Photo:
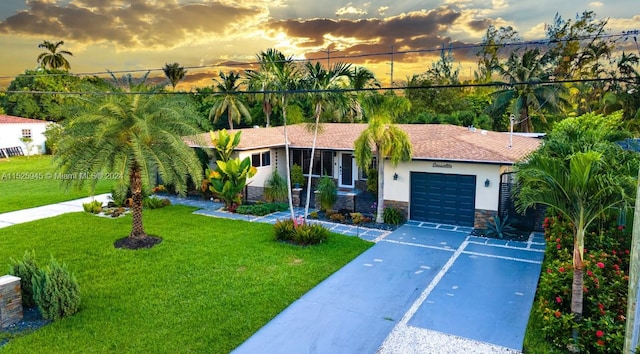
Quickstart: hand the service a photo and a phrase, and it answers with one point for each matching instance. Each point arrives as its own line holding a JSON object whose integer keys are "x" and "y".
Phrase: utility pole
{"x": 391, "y": 66}
{"x": 329, "y": 51}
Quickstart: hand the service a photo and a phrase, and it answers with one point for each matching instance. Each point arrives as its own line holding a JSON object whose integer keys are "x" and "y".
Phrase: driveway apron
{"x": 424, "y": 288}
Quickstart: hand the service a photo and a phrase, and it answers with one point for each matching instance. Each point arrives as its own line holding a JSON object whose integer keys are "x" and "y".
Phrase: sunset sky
{"x": 145, "y": 34}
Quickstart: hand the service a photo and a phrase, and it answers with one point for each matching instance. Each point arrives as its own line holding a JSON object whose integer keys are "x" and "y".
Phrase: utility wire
{"x": 623, "y": 34}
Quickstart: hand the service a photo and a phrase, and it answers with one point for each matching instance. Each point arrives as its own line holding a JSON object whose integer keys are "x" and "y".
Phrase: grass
{"x": 534, "y": 341}
{"x": 27, "y": 182}
{"x": 207, "y": 287}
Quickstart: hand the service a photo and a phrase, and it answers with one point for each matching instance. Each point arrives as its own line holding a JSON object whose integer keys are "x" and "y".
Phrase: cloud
{"x": 350, "y": 10}
{"x": 131, "y": 24}
{"x": 383, "y": 10}
{"x": 596, "y": 4}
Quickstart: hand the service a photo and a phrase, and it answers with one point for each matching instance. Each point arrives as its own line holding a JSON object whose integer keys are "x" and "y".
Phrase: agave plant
{"x": 501, "y": 229}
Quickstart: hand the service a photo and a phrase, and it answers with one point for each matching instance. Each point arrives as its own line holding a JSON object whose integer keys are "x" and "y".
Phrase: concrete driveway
{"x": 425, "y": 288}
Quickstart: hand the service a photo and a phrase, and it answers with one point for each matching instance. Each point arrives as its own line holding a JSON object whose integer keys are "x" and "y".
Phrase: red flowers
{"x": 589, "y": 273}
{"x": 561, "y": 269}
{"x": 621, "y": 227}
{"x": 558, "y": 299}
{"x": 600, "y": 265}
{"x": 558, "y": 246}
{"x": 558, "y": 314}
{"x": 599, "y": 333}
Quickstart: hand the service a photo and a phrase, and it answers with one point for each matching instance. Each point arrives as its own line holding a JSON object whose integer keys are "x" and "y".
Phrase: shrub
{"x": 93, "y": 207}
{"x": 500, "y": 228}
{"x": 393, "y": 216}
{"x": 56, "y": 292}
{"x": 262, "y": 209}
{"x": 297, "y": 232}
{"x": 372, "y": 180}
{"x": 275, "y": 188}
{"x": 337, "y": 217}
{"x": 297, "y": 178}
{"x": 155, "y": 202}
{"x": 26, "y": 269}
{"x": 313, "y": 214}
{"x": 328, "y": 192}
{"x": 606, "y": 261}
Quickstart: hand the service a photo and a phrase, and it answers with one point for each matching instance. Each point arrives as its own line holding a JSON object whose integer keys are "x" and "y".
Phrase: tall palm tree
{"x": 320, "y": 81}
{"x": 227, "y": 99}
{"x": 285, "y": 76}
{"x": 525, "y": 93}
{"x": 360, "y": 79}
{"x": 53, "y": 58}
{"x": 134, "y": 135}
{"x": 581, "y": 188}
{"x": 175, "y": 73}
{"x": 264, "y": 80}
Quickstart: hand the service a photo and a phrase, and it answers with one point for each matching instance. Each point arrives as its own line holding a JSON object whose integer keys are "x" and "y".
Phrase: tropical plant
{"x": 327, "y": 191}
{"x": 388, "y": 141}
{"x": 297, "y": 177}
{"x": 275, "y": 188}
{"x": 264, "y": 80}
{"x": 393, "y": 216}
{"x": 93, "y": 207}
{"x": 525, "y": 92}
{"x": 500, "y": 228}
{"x": 174, "y": 73}
{"x": 137, "y": 134}
{"x": 582, "y": 188}
{"x": 225, "y": 143}
{"x": 228, "y": 180}
{"x": 228, "y": 100}
{"x": 52, "y": 58}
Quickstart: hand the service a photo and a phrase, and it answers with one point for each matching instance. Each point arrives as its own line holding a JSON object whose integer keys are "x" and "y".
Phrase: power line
{"x": 623, "y": 34}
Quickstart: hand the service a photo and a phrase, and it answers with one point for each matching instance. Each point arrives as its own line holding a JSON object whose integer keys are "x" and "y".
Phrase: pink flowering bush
{"x": 606, "y": 263}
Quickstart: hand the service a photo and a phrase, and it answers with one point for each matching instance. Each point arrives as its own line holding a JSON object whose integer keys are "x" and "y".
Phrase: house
{"x": 453, "y": 177}
{"x": 19, "y": 134}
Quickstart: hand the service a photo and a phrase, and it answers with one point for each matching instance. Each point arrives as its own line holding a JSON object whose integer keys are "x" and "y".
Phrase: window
{"x": 261, "y": 159}
{"x": 26, "y": 133}
{"x": 363, "y": 171}
{"x": 322, "y": 161}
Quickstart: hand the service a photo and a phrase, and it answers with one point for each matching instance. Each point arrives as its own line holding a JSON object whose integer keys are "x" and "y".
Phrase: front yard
{"x": 207, "y": 287}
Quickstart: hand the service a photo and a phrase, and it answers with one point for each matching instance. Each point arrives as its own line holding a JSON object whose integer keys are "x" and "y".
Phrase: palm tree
{"x": 581, "y": 188}
{"x": 175, "y": 73}
{"x": 135, "y": 135}
{"x": 227, "y": 99}
{"x": 263, "y": 80}
{"x": 387, "y": 141}
{"x": 284, "y": 75}
{"x": 53, "y": 58}
{"x": 320, "y": 82}
{"x": 360, "y": 79}
{"x": 525, "y": 93}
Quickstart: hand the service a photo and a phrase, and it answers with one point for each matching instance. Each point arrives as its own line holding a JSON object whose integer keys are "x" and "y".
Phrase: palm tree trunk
{"x": 286, "y": 155}
{"x": 380, "y": 209}
{"x": 577, "y": 284}
{"x": 135, "y": 179}
{"x": 313, "y": 151}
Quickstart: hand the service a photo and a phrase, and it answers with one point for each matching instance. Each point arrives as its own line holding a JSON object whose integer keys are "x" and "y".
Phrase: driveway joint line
{"x": 502, "y": 257}
{"x": 421, "y": 245}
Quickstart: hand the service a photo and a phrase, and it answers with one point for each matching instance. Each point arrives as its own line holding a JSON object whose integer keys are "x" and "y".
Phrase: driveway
{"x": 424, "y": 288}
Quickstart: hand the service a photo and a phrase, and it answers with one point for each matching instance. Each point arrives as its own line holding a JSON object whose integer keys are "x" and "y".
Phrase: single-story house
{"x": 15, "y": 133}
{"x": 453, "y": 177}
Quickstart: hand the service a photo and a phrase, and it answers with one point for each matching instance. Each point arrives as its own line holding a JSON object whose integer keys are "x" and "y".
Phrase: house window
{"x": 261, "y": 159}
{"x": 26, "y": 133}
{"x": 363, "y": 171}
{"x": 322, "y": 161}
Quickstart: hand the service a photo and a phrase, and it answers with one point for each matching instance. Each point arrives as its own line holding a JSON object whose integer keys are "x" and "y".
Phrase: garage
{"x": 443, "y": 198}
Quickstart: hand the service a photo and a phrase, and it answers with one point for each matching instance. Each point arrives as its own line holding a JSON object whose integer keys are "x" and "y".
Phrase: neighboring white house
{"x": 17, "y": 132}
{"x": 453, "y": 178}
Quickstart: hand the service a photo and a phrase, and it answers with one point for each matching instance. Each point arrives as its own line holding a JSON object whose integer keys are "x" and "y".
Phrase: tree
{"x": 285, "y": 76}
{"x": 175, "y": 73}
{"x": 52, "y": 58}
{"x": 525, "y": 93}
{"x": 320, "y": 82}
{"x": 135, "y": 134}
{"x": 489, "y": 51}
{"x": 227, "y": 99}
{"x": 384, "y": 139}
{"x": 264, "y": 80}
{"x": 581, "y": 173}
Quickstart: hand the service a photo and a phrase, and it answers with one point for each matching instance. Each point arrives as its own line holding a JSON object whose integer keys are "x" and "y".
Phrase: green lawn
{"x": 206, "y": 288}
{"x": 27, "y": 182}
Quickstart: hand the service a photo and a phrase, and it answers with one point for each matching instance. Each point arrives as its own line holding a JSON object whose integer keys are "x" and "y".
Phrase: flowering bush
{"x": 606, "y": 262}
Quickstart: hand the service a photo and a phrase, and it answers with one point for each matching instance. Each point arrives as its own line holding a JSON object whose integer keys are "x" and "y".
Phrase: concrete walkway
{"x": 47, "y": 211}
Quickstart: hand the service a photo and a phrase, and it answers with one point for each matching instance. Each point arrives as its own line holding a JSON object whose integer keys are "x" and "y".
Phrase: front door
{"x": 346, "y": 170}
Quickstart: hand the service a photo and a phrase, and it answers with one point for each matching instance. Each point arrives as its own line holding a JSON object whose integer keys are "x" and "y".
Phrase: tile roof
{"x": 429, "y": 141}
{"x": 5, "y": 119}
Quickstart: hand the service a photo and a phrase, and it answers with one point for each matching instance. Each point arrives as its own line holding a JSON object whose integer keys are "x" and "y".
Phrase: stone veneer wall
{"x": 482, "y": 217}
{"x": 10, "y": 300}
{"x": 404, "y": 206}
{"x": 255, "y": 194}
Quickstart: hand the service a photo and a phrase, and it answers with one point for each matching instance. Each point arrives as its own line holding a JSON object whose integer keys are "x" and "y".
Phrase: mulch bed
{"x": 137, "y": 243}
{"x": 31, "y": 321}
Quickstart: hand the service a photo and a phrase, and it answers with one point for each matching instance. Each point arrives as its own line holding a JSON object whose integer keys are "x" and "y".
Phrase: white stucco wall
{"x": 10, "y": 134}
{"x": 263, "y": 172}
{"x": 487, "y": 198}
